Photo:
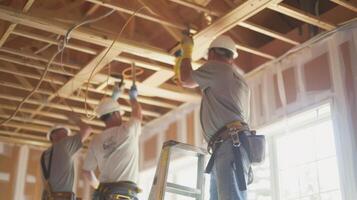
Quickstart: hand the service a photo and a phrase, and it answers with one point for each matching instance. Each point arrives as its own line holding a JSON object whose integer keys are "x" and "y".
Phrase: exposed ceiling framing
{"x": 31, "y": 30}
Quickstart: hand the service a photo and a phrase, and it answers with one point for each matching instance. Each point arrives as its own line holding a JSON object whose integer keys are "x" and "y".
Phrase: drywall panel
{"x": 290, "y": 84}
{"x": 317, "y": 74}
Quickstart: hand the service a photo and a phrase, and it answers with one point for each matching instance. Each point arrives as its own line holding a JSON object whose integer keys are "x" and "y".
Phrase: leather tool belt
{"x": 123, "y": 190}
{"x": 61, "y": 196}
{"x": 241, "y": 136}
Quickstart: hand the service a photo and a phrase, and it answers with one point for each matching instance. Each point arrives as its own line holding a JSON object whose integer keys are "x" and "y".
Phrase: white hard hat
{"x": 225, "y": 42}
{"x": 107, "y": 105}
{"x": 55, "y": 127}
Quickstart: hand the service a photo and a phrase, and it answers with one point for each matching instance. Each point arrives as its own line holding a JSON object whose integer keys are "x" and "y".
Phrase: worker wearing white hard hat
{"x": 115, "y": 151}
{"x": 225, "y": 103}
{"x": 57, "y": 162}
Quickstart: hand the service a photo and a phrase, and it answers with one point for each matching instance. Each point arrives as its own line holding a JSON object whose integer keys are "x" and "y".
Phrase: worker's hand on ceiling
{"x": 187, "y": 46}
{"x": 133, "y": 93}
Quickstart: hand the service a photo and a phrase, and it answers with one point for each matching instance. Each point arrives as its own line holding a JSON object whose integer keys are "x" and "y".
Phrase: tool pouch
{"x": 255, "y": 145}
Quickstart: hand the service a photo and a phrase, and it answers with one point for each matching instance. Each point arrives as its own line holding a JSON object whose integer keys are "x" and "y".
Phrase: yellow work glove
{"x": 187, "y": 46}
{"x": 177, "y": 69}
{"x": 177, "y": 66}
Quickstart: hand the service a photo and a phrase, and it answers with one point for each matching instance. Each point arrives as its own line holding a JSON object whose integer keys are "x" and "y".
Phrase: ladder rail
{"x": 161, "y": 186}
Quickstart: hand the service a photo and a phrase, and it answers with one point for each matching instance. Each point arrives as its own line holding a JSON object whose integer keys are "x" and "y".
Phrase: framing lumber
{"x": 16, "y": 140}
{"x": 196, "y": 7}
{"x": 226, "y": 22}
{"x": 160, "y": 10}
{"x": 352, "y": 5}
{"x": 75, "y": 98}
{"x": 30, "y": 56}
{"x": 301, "y": 15}
{"x": 50, "y": 105}
{"x": 268, "y": 32}
{"x": 144, "y": 16}
{"x": 87, "y": 35}
{"x": 254, "y": 51}
{"x": 245, "y": 24}
{"x": 52, "y": 115}
{"x": 26, "y": 122}
{"x": 13, "y": 26}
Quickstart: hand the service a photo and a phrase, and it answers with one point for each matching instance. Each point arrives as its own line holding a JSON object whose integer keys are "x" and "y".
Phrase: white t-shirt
{"x": 116, "y": 153}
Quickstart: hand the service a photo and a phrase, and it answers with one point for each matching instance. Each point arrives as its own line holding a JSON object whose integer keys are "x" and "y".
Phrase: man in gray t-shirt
{"x": 225, "y": 100}
{"x": 60, "y": 165}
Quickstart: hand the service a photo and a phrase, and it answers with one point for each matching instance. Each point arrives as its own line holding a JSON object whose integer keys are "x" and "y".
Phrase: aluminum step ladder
{"x": 160, "y": 185}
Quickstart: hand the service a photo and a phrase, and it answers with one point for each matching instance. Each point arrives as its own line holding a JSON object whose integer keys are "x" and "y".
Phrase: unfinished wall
{"x": 321, "y": 71}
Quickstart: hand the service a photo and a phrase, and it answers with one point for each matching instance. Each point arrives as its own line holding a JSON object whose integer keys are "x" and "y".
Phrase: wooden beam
{"x": 254, "y": 51}
{"x": 92, "y": 68}
{"x": 87, "y": 35}
{"x": 196, "y": 7}
{"x": 13, "y": 26}
{"x": 27, "y": 122}
{"x": 144, "y": 16}
{"x": 75, "y": 98}
{"x": 52, "y": 115}
{"x": 226, "y": 22}
{"x": 32, "y": 76}
{"x": 160, "y": 9}
{"x": 22, "y": 140}
{"x": 352, "y": 5}
{"x": 50, "y": 105}
{"x": 268, "y": 32}
{"x": 301, "y": 15}
{"x": 245, "y": 24}
{"x": 144, "y": 100}
{"x": 34, "y": 66}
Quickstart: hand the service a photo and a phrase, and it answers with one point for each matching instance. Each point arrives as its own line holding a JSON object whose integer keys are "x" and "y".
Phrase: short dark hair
{"x": 225, "y": 53}
{"x": 105, "y": 117}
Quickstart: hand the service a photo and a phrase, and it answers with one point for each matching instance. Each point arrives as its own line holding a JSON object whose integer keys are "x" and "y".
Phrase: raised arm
{"x": 135, "y": 106}
{"x": 185, "y": 65}
{"x": 84, "y": 129}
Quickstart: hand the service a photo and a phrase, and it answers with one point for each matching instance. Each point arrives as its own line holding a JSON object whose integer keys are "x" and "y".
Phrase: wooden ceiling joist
{"x": 23, "y": 140}
{"x": 301, "y": 15}
{"x": 268, "y": 32}
{"x": 245, "y": 24}
{"x": 8, "y": 31}
{"x": 144, "y": 16}
{"x": 75, "y": 98}
{"x": 254, "y": 51}
{"x": 35, "y": 57}
{"x": 52, "y": 115}
{"x": 352, "y": 5}
{"x": 225, "y": 23}
{"x": 26, "y": 122}
{"x": 50, "y": 105}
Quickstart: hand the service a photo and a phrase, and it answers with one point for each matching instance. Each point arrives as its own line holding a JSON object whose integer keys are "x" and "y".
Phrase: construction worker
{"x": 224, "y": 113}
{"x": 115, "y": 151}
{"x": 57, "y": 161}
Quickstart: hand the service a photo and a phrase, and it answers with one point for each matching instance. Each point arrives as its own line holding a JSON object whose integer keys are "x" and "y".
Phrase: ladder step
{"x": 182, "y": 190}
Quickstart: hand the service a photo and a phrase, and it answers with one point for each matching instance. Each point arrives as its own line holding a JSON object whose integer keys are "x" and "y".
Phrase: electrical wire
{"x": 61, "y": 47}
{"x": 105, "y": 54}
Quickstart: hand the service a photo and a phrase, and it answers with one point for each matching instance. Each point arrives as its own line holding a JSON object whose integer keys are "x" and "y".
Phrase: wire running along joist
{"x": 61, "y": 46}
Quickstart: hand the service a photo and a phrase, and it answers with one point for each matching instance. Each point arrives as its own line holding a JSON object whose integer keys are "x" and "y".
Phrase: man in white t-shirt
{"x": 115, "y": 151}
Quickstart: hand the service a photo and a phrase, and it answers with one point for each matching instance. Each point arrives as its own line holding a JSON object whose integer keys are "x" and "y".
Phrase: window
{"x": 302, "y": 160}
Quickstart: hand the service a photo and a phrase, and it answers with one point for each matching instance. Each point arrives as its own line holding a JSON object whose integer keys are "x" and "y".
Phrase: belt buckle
{"x": 234, "y": 133}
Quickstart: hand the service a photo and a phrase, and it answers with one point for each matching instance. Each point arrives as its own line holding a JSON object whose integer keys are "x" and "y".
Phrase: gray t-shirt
{"x": 62, "y": 170}
{"x": 225, "y": 96}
